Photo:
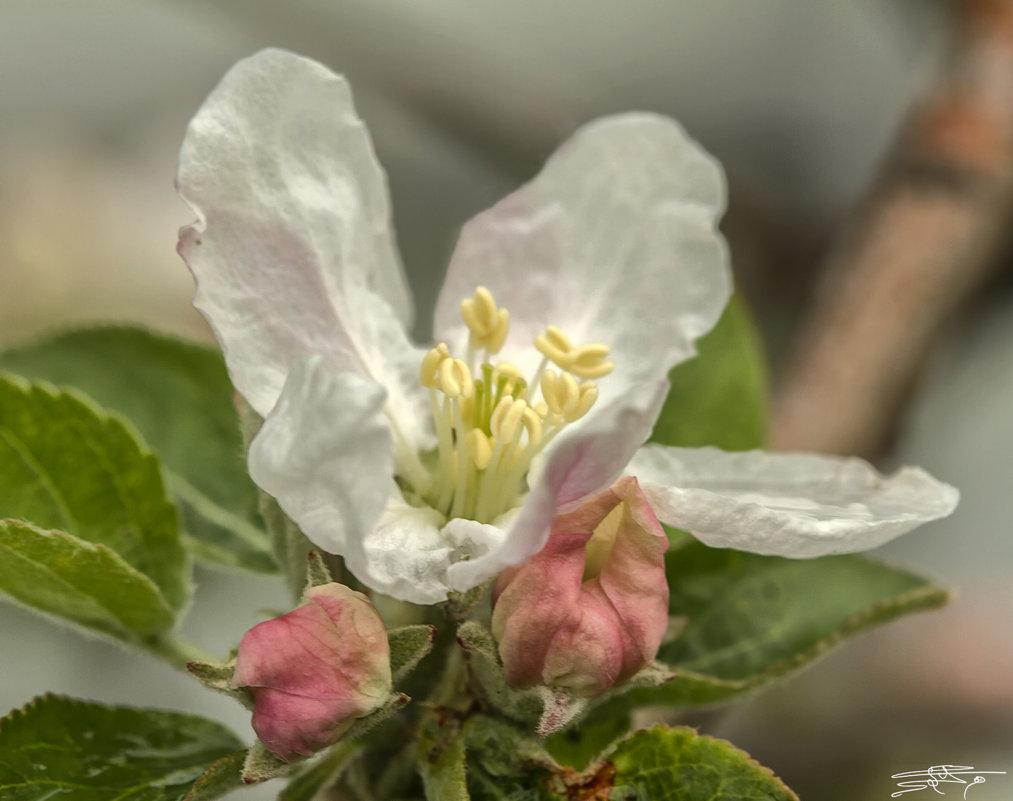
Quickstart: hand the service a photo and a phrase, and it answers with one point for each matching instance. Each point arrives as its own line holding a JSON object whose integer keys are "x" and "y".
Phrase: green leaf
{"x": 395, "y": 703}
{"x": 218, "y": 677}
{"x": 526, "y": 706}
{"x": 322, "y": 773}
{"x": 658, "y": 764}
{"x": 752, "y": 619}
{"x": 222, "y": 777}
{"x": 67, "y": 465}
{"x": 178, "y": 395}
{"x": 506, "y": 763}
{"x": 408, "y": 646}
{"x": 665, "y": 764}
{"x": 719, "y": 397}
{"x": 260, "y": 765}
{"x": 317, "y": 572}
{"x": 59, "y": 747}
{"x": 503, "y": 749}
{"x": 86, "y": 583}
{"x": 577, "y": 746}
{"x": 484, "y": 787}
{"x": 441, "y": 758}
{"x": 289, "y": 545}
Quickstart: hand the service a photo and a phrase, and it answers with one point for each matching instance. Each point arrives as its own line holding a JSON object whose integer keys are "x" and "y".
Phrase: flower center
{"x": 491, "y": 421}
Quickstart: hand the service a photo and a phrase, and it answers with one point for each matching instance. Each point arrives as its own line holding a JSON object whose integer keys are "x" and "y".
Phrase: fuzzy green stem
{"x": 176, "y": 651}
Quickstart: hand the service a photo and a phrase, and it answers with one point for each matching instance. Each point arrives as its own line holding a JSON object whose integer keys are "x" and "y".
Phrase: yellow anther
{"x": 429, "y": 371}
{"x": 491, "y": 425}
{"x": 480, "y": 325}
{"x": 494, "y": 342}
{"x": 507, "y": 368}
{"x": 455, "y": 378}
{"x": 550, "y": 390}
{"x": 533, "y": 426}
{"x": 590, "y": 352}
{"x": 561, "y": 392}
{"x": 533, "y": 423}
{"x": 588, "y": 395}
{"x": 571, "y": 393}
{"x": 589, "y": 361}
{"x": 485, "y": 303}
{"x": 565, "y": 397}
{"x": 479, "y": 447}
{"x": 548, "y": 384}
{"x": 548, "y": 346}
{"x": 506, "y": 418}
{"x": 557, "y": 338}
{"x": 584, "y": 361}
{"x": 487, "y": 323}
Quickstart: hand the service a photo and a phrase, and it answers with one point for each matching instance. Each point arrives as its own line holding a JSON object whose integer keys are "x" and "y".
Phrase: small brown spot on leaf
{"x": 592, "y": 785}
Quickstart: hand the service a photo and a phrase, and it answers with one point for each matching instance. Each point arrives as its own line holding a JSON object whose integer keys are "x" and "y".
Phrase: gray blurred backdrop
{"x": 799, "y": 99}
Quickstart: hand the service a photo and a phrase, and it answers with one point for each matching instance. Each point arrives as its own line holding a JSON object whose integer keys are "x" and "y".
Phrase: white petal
{"x": 591, "y": 458}
{"x": 408, "y": 554}
{"x": 614, "y": 242}
{"x": 581, "y": 464}
{"x": 404, "y": 555}
{"x": 325, "y": 454}
{"x": 293, "y": 252}
{"x": 797, "y": 505}
{"x": 526, "y": 530}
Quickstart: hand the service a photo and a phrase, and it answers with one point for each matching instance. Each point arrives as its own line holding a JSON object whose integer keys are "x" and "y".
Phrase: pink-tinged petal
{"x": 779, "y": 504}
{"x": 633, "y": 581}
{"x": 315, "y": 670}
{"x": 566, "y": 619}
{"x": 291, "y": 726}
{"x": 595, "y": 454}
{"x": 365, "y": 653}
{"x": 293, "y": 252}
{"x": 615, "y": 241}
{"x": 578, "y": 465}
{"x": 325, "y": 454}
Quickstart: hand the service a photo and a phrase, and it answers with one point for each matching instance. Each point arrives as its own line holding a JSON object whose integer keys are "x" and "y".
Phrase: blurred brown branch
{"x": 924, "y": 241}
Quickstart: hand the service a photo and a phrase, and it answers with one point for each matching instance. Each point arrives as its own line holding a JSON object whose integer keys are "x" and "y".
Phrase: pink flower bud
{"x": 591, "y": 607}
{"x": 315, "y": 670}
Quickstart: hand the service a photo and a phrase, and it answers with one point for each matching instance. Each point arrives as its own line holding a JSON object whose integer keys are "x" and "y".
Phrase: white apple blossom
{"x": 427, "y": 471}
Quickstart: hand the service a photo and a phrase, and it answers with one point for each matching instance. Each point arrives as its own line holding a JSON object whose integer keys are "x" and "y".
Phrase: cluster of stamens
{"x": 490, "y": 421}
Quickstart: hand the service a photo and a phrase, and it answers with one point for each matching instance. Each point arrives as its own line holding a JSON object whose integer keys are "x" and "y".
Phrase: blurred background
{"x": 867, "y": 146}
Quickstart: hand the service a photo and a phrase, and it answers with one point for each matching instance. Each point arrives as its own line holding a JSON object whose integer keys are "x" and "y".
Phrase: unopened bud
{"x": 590, "y": 608}
{"x": 315, "y": 670}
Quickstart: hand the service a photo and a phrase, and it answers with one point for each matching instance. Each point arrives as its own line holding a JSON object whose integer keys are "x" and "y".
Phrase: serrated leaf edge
{"x": 662, "y": 728}
{"x": 150, "y": 459}
{"x": 922, "y": 598}
{"x": 127, "y": 635}
{"x": 47, "y": 697}
{"x": 915, "y": 600}
{"x": 174, "y": 482}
